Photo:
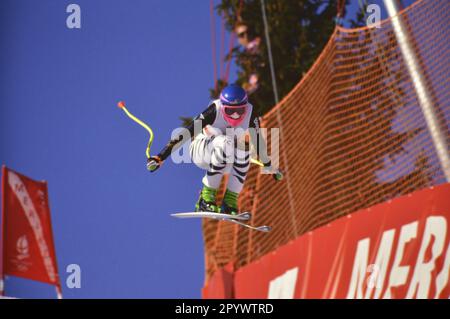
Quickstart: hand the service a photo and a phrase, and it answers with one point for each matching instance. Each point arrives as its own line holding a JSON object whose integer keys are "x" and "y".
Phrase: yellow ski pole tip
{"x": 121, "y": 104}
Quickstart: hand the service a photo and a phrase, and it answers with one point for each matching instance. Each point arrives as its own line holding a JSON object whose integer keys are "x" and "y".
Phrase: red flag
{"x": 28, "y": 248}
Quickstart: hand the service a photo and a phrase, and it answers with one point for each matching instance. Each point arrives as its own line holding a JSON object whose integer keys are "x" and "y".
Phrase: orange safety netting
{"x": 352, "y": 134}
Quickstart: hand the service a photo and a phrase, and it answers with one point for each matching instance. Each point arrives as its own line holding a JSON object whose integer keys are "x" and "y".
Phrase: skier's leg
{"x": 236, "y": 180}
{"x": 221, "y": 160}
{"x": 215, "y": 154}
{"x": 200, "y": 155}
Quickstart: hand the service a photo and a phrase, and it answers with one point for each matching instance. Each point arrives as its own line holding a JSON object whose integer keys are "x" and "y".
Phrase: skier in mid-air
{"x": 218, "y": 148}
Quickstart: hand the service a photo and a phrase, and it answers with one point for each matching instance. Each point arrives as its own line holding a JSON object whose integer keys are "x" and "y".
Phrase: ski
{"x": 242, "y": 216}
{"x": 237, "y": 219}
{"x": 264, "y": 228}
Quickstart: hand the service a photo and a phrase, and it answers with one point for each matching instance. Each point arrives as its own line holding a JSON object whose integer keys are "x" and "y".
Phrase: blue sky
{"x": 59, "y": 122}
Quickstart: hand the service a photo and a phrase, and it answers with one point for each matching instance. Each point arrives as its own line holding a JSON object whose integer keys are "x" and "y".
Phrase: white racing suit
{"x": 221, "y": 149}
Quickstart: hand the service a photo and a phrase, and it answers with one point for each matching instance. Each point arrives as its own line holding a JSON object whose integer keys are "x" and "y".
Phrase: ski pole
{"x": 255, "y": 161}
{"x": 121, "y": 105}
{"x": 278, "y": 175}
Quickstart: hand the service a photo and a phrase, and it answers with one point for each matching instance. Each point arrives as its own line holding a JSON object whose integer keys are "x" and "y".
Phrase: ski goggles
{"x": 230, "y": 110}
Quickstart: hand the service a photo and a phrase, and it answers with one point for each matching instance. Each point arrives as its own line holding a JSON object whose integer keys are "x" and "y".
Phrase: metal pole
{"x": 426, "y": 104}
{"x": 269, "y": 51}
{"x": 279, "y": 119}
{"x": 59, "y": 294}
{"x": 2, "y": 229}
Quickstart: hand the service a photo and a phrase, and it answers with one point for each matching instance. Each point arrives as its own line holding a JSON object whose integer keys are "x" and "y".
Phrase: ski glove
{"x": 153, "y": 163}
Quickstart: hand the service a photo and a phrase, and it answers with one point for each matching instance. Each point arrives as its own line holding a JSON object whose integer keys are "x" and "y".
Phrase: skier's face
{"x": 234, "y": 114}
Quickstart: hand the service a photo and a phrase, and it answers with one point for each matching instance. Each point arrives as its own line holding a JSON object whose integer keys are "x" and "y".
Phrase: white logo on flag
{"x": 22, "y": 247}
{"x": 22, "y": 261}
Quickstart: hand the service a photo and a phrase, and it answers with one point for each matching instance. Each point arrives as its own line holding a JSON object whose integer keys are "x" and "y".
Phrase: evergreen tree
{"x": 298, "y": 32}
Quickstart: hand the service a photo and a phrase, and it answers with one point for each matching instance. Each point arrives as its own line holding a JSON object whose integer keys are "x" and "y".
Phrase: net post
{"x": 279, "y": 119}
{"x": 420, "y": 86}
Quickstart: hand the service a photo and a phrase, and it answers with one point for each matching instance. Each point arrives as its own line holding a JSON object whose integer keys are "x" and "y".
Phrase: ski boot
{"x": 207, "y": 201}
{"x": 229, "y": 204}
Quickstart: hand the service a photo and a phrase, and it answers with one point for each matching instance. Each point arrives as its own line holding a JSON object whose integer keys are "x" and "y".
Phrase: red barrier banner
{"x": 398, "y": 249}
{"x": 28, "y": 248}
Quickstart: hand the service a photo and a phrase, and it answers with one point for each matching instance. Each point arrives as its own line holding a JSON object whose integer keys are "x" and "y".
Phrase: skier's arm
{"x": 258, "y": 141}
{"x": 206, "y": 117}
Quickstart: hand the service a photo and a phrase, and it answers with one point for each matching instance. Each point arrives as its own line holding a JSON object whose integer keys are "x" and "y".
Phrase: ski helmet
{"x": 234, "y": 104}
